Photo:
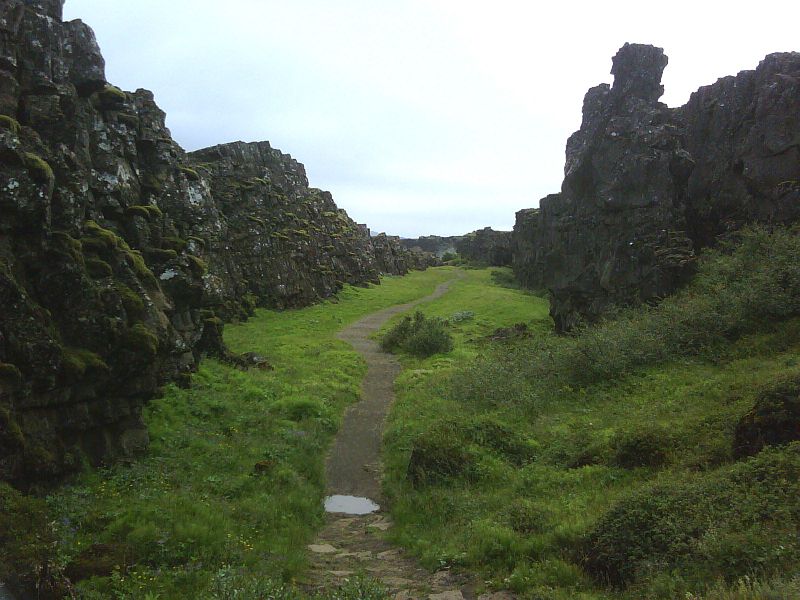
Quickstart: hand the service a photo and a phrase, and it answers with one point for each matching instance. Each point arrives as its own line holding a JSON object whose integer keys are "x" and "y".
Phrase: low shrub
{"x": 642, "y": 446}
{"x": 453, "y": 448}
{"x": 28, "y": 558}
{"x": 461, "y": 316}
{"x": 440, "y": 454}
{"x": 748, "y": 588}
{"x": 773, "y": 420}
{"x": 418, "y": 335}
{"x": 740, "y": 519}
{"x": 742, "y": 287}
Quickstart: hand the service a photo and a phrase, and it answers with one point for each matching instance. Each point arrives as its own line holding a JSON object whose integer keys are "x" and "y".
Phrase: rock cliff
{"x": 432, "y": 243}
{"x": 645, "y": 186}
{"x": 120, "y": 253}
{"x": 486, "y": 246}
{"x": 394, "y": 258}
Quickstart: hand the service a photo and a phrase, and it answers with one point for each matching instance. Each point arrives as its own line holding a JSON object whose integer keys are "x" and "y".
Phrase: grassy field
{"x": 604, "y": 464}
{"x": 601, "y": 465}
{"x": 231, "y": 490}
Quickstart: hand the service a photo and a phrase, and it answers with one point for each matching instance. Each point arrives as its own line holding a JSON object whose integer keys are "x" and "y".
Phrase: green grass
{"x": 593, "y": 466}
{"x": 601, "y": 465}
{"x": 233, "y": 481}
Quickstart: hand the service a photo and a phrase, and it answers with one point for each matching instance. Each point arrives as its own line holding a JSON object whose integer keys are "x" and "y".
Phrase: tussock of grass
{"x": 419, "y": 336}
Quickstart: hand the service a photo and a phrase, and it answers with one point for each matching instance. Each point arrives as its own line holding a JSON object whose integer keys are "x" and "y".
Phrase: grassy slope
{"x": 520, "y": 516}
{"x": 234, "y": 473}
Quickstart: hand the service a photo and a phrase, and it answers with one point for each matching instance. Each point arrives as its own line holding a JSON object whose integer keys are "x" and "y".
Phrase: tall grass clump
{"x": 746, "y": 285}
{"x": 419, "y": 336}
{"x": 741, "y": 519}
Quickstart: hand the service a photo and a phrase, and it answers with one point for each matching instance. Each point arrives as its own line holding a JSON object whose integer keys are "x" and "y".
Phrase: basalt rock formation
{"x": 486, "y": 247}
{"x": 646, "y": 186}
{"x": 394, "y": 258}
{"x": 120, "y": 254}
{"x": 280, "y": 243}
{"x": 434, "y": 244}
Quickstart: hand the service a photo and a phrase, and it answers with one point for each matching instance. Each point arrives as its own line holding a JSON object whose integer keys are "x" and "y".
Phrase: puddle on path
{"x": 350, "y": 505}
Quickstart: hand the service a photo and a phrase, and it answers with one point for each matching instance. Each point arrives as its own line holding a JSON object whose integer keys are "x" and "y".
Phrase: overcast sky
{"x": 420, "y": 116}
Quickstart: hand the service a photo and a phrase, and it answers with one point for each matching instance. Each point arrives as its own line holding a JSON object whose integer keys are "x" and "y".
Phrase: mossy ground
{"x": 231, "y": 490}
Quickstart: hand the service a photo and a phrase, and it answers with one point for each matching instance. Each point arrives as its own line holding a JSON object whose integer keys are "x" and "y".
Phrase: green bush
{"x": 418, "y": 335}
{"x": 740, "y": 519}
{"x": 642, "y": 446}
{"x": 773, "y": 420}
{"x": 440, "y": 454}
{"x": 740, "y": 288}
{"x": 453, "y": 448}
{"x": 746, "y": 288}
{"x": 26, "y": 537}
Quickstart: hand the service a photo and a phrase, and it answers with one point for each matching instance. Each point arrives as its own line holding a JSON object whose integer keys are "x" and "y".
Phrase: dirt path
{"x": 349, "y": 545}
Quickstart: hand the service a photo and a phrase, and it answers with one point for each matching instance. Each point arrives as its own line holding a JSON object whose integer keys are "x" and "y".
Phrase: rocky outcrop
{"x": 120, "y": 253}
{"x": 280, "y": 243}
{"x": 434, "y": 244}
{"x": 743, "y": 134}
{"x": 486, "y": 247}
{"x": 393, "y": 257}
{"x": 646, "y": 186}
{"x": 525, "y": 250}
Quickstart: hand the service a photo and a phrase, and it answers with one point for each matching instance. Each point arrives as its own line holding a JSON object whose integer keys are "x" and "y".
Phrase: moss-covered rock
{"x": 198, "y": 266}
{"x": 159, "y": 255}
{"x": 98, "y": 269}
{"x": 146, "y": 211}
{"x": 77, "y": 362}
{"x": 190, "y": 173}
{"x": 112, "y": 97}
{"x": 140, "y": 341}
{"x": 98, "y": 239}
{"x": 9, "y": 374}
{"x": 773, "y": 420}
{"x": 132, "y": 303}
{"x": 38, "y": 168}
{"x": 9, "y": 124}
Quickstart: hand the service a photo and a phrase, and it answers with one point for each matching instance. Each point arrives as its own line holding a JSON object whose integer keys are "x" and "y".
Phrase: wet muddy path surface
{"x": 350, "y": 544}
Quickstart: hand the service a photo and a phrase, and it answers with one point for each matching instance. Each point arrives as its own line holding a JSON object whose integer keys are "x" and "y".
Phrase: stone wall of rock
{"x": 525, "y": 250}
{"x": 432, "y": 243}
{"x": 646, "y": 186}
{"x": 282, "y": 244}
{"x": 119, "y": 252}
{"x": 486, "y": 247}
